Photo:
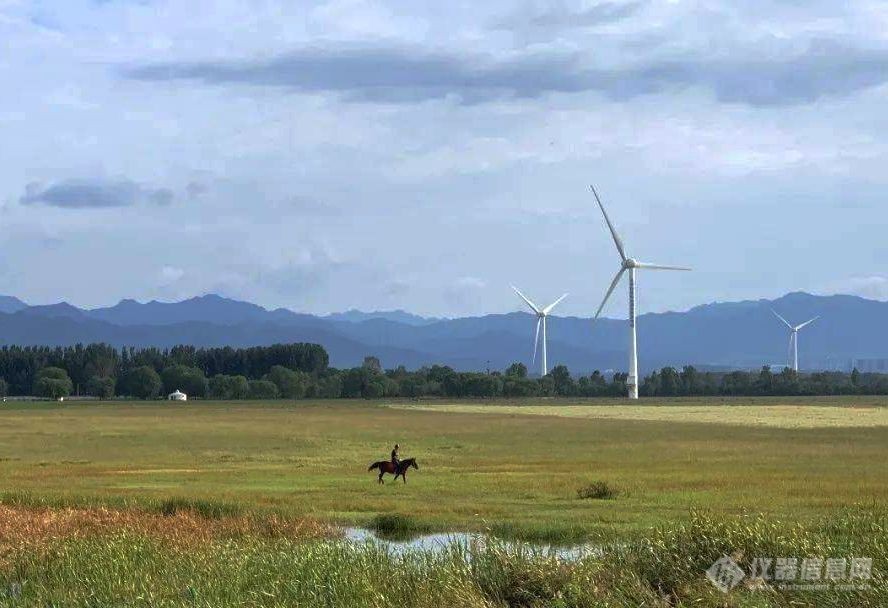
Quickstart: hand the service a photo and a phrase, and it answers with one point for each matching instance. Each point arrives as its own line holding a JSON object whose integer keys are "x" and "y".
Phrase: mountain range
{"x": 726, "y": 335}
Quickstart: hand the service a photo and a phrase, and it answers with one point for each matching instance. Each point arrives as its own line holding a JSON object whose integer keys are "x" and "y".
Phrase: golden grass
{"x": 774, "y": 416}
{"x": 31, "y": 528}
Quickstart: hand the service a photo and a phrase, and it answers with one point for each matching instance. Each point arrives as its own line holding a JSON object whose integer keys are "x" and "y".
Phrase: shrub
{"x": 395, "y": 526}
{"x": 597, "y": 489}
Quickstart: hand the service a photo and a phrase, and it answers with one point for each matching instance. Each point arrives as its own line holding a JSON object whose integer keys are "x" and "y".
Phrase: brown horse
{"x": 386, "y": 466}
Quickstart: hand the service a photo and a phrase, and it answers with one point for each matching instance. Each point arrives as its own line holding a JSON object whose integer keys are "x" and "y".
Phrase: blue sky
{"x": 424, "y": 155}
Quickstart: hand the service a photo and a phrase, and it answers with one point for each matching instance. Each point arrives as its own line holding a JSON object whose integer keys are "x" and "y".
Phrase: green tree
{"x": 330, "y": 387}
{"x": 564, "y": 384}
{"x": 263, "y": 389}
{"x": 618, "y": 386}
{"x": 189, "y": 380}
{"x": 101, "y": 387}
{"x": 375, "y": 389}
{"x": 222, "y": 386}
{"x": 764, "y": 385}
{"x": 520, "y": 387}
{"x": 52, "y": 383}
{"x": 592, "y": 386}
{"x": 141, "y": 382}
{"x": 669, "y": 382}
{"x": 516, "y": 370}
{"x": 691, "y": 384}
{"x": 372, "y": 363}
{"x": 290, "y": 383}
{"x": 736, "y": 383}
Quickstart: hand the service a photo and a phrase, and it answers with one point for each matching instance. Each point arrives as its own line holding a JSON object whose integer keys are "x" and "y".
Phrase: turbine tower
{"x": 630, "y": 265}
{"x": 541, "y": 314}
{"x": 794, "y": 338}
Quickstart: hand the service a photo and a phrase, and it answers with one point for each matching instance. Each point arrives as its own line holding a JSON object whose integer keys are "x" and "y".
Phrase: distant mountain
{"x": 209, "y": 309}
{"x": 60, "y": 310}
{"x": 396, "y": 316}
{"x": 718, "y": 335}
{"x": 11, "y": 304}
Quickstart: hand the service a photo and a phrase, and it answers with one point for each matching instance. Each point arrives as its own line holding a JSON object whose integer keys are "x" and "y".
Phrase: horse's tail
{"x": 375, "y": 465}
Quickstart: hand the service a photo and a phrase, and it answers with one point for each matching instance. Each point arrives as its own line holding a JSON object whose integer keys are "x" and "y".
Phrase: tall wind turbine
{"x": 630, "y": 265}
{"x": 794, "y": 338}
{"x": 541, "y": 314}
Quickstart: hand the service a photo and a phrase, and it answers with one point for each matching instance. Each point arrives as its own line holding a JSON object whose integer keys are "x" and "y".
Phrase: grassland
{"x": 514, "y": 469}
{"x": 230, "y": 504}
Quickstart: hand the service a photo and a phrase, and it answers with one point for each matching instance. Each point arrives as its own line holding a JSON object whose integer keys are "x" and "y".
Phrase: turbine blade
{"x": 549, "y": 308}
{"x": 536, "y": 341}
{"x": 617, "y": 241}
{"x": 610, "y": 290}
{"x": 533, "y": 306}
{"x": 798, "y": 327}
{"x": 785, "y": 322}
{"x": 659, "y": 266}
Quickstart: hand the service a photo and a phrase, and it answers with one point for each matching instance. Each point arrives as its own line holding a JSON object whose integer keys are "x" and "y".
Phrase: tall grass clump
{"x": 396, "y": 526}
{"x": 600, "y": 490}
{"x": 210, "y": 509}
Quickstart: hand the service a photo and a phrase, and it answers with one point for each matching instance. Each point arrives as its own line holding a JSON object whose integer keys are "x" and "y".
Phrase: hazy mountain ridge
{"x": 721, "y": 334}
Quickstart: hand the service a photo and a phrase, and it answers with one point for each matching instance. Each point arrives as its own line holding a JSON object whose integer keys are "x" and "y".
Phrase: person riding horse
{"x": 395, "y": 465}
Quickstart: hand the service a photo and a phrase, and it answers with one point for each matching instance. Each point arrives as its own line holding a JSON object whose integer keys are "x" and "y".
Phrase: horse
{"x": 386, "y": 466}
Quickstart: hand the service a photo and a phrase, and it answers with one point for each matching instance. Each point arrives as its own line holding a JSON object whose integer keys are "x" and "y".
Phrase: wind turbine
{"x": 541, "y": 314}
{"x": 794, "y": 338}
{"x": 630, "y": 265}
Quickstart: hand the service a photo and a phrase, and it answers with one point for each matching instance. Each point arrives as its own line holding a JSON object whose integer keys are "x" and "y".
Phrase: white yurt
{"x": 177, "y": 396}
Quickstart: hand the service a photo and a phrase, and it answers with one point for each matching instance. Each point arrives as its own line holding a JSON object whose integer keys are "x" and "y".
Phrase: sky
{"x": 322, "y": 156}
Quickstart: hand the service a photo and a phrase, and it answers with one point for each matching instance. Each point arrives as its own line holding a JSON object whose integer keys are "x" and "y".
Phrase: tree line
{"x": 296, "y": 371}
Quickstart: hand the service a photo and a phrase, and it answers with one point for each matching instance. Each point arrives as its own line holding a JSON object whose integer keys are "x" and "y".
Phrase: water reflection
{"x": 441, "y": 541}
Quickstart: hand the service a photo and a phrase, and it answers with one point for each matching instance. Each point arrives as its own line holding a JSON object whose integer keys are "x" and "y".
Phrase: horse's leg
{"x": 379, "y": 480}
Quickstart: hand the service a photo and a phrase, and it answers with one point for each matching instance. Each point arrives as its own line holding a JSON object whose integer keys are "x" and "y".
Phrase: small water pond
{"x": 440, "y": 541}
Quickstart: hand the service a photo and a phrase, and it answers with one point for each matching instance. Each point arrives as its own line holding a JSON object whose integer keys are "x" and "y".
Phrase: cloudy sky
{"x": 424, "y": 155}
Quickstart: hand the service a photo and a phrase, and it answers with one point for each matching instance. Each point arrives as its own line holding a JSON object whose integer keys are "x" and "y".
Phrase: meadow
{"x": 241, "y": 500}
{"x": 508, "y": 467}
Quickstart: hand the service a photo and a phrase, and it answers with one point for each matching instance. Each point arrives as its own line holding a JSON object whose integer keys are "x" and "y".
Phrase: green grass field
{"x": 508, "y": 467}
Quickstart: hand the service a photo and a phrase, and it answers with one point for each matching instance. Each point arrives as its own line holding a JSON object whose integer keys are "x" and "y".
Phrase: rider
{"x": 395, "y": 459}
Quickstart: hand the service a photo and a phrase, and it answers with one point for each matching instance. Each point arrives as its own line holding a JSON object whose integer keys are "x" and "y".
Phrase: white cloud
{"x": 170, "y": 274}
{"x": 873, "y": 287}
{"x": 323, "y": 200}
